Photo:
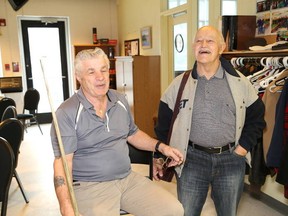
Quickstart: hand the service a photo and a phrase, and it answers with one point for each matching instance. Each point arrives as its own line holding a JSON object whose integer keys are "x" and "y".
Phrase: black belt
{"x": 212, "y": 150}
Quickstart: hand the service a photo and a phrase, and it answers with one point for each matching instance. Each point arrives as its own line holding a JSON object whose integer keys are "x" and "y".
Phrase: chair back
{"x": 12, "y": 130}
{"x": 4, "y": 103}
{"x": 6, "y": 170}
{"x": 31, "y": 100}
{"x": 138, "y": 156}
{"x": 9, "y": 112}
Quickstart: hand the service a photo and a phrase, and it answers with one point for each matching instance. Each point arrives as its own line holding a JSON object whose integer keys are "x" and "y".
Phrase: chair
{"x": 138, "y": 156}
{"x": 12, "y": 130}
{"x": 4, "y": 103}
{"x": 6, "y": 170}
{"x": 31, "y": 101}
{"x": 9, "y": 112}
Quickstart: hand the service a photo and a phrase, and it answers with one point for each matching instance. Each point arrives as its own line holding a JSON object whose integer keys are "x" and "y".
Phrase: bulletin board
{"x": 272, "y": 15}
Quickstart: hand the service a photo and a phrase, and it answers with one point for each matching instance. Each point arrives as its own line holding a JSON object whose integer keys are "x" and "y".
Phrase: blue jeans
{"x": 223, "y": 172}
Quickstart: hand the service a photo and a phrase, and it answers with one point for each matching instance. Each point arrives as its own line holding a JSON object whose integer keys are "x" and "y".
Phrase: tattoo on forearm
{"x": 59, "y": 181}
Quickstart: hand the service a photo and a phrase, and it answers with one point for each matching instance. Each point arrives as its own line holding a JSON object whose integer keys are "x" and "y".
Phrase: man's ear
{"x": 222, "y": 48}
{"x": 77, "y": 77}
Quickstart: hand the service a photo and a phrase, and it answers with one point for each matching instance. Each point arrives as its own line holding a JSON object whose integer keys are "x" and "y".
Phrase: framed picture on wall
{"x": 146, "y": 37}
{"x": 131, "y": 47}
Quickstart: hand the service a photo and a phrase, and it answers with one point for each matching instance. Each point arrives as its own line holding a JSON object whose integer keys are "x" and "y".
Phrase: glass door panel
{"x": 49, "y": 54}
{"x": 46, "y": 42}
{"x": 180, "y": 48}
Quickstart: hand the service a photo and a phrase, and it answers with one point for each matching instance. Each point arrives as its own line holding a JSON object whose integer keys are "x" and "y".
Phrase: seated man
{"x": 95, "y": 126}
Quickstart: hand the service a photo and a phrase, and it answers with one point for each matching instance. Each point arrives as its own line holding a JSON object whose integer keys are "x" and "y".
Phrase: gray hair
{"x": 89, "y": 54}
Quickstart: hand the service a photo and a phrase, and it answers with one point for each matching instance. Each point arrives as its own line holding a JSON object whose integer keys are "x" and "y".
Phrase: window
{"x": 175, "y": 3}
{"x": 180, "y": 48}
{"x": 229, "y": 7}
{"x": 203, "y": 13}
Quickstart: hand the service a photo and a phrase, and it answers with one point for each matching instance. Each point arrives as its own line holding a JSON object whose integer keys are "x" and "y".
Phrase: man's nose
{"x": 99, "y": 76}
{"x": 204, "y": 43}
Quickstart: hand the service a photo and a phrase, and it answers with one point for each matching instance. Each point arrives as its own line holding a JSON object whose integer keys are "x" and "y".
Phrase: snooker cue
{"x": 63, "y": 155}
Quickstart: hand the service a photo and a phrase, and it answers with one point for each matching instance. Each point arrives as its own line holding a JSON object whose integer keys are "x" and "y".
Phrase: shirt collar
{"x": 227, "y": 66}
{"x": 83, "y": 100}
{"x": 219, "y": 73}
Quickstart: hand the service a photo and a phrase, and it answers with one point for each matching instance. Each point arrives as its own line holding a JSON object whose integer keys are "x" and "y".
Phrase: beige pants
{"x": 135, "y": 194}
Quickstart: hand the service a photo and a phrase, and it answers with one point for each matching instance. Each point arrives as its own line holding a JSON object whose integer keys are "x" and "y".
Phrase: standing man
{"x": 95, "y": 125}
{"x": 220, "y": 120}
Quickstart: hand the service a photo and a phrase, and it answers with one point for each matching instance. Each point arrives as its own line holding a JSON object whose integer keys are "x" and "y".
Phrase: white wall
{"x": 83, "y": 15}
{"x": 135, "y": 14}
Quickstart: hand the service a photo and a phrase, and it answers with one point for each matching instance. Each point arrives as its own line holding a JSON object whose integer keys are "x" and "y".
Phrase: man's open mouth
{"x": 204, "y": 52}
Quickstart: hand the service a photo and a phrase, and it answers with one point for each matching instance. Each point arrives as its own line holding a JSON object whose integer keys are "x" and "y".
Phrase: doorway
{"x": 45, "y": 50}
{"x": 179, "y": 29}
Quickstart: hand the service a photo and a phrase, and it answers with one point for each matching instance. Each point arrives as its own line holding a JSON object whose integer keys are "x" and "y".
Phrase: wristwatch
{"x": 157, "y": 146}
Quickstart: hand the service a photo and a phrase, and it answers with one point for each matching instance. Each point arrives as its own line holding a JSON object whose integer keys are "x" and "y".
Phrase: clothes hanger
{"x": 257, "y": 77}
{"x": 274, "y": 73}
{"x": 266, "y": 62}
{"x": 281, "y": 81}
{"x": 278, "y": 83}
{"x": 233, "y": 62}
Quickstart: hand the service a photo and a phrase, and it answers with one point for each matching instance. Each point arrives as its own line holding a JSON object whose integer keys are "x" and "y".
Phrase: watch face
{"x": 179, "y": 43}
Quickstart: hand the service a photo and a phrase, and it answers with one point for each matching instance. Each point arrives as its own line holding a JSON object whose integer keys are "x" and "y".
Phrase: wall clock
{"x": 179, "y": 43}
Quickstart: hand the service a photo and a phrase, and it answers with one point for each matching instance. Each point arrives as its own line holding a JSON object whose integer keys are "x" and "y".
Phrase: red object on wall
{"x": 2, "y": 22}
{"x": 7, "y": 67}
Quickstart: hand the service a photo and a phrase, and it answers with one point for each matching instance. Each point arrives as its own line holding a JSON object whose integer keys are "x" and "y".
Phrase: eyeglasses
{"x": 165, "y": 163}
{"x": 168, "y": 172}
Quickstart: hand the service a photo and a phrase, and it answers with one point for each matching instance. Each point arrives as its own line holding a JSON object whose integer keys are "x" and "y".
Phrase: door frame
{"x": 176, "y": 19}
{"x": 167, "y": 45}
{"x": 71, "y": 81}
{"x": 70, "y": 76}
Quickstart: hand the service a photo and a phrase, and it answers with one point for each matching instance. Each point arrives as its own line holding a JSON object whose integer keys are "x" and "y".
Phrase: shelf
{"x": 249, "y": 53}
{"x": 94, "y": 45}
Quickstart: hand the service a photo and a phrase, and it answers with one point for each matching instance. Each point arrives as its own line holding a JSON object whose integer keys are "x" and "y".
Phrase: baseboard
{"x": 268, "y": 200}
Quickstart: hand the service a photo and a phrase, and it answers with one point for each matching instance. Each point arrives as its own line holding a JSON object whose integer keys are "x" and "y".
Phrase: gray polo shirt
{"x": 99, "y": 145}
{"x": 214, "y": 112}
